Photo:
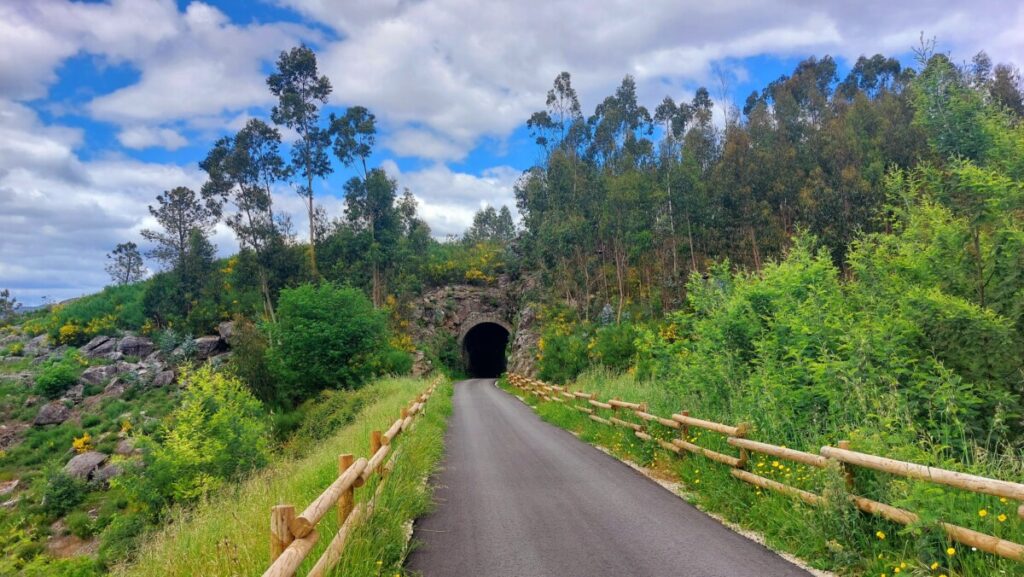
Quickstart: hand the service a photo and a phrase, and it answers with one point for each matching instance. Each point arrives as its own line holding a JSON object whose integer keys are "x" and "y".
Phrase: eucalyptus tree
{"x": 301, "y": 91}
{"x": 242, "y": 170}
{"x": 124, "y": 264}
{"x": 354, "y": 135}
{"x": 179, "y": 211}
{"x": 375, "y": 222}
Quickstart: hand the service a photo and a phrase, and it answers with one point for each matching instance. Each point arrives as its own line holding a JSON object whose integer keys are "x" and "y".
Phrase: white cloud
{"x": 448, "y": 200}
{"x": 138, "y": 137}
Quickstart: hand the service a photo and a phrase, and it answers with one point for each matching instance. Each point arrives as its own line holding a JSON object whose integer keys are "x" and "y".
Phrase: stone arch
{"x": 483, "y": 340}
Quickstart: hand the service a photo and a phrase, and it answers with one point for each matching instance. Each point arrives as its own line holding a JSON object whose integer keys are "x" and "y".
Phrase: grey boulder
{"x": 98, "y": 347}
{"x": 52, "y": 413}
{"x": 163, "y": 378}
{"x": 226, "y": 330}
{"x": 207, "y": 347}
{"x": 135, "y": 346}
{"x": 99, "y": 375}
{"x": 84, "y": 465}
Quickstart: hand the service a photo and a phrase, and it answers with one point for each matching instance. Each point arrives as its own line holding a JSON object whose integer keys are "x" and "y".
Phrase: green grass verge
{"x": 228, "y": 534}
{"x": 837, "y": 538}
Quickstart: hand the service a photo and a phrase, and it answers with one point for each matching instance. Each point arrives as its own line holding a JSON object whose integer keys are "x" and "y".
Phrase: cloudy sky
{"x": 105, "y": 104}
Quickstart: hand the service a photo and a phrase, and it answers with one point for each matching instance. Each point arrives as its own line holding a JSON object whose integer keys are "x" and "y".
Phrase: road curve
{"x": 518, "y": 497}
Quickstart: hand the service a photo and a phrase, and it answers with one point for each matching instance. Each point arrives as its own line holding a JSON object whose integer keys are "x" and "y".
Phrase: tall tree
{"x": 370, "y": 212}
{"x": 179, "y": 211}
{"x": 354, "y": 136}
{"x": 242, "y": 170}
{"x": 124, "y": 264}
{"x": 301, "y": 90}
{"x": 8, "y": 305}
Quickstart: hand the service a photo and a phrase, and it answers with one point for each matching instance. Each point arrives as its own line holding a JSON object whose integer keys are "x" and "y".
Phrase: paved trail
{"x": 521, "y": 498}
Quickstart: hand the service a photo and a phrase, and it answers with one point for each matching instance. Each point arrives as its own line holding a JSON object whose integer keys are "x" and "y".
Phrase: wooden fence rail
{"x": 292, "y": 537}
{"x": 840, "y": 457}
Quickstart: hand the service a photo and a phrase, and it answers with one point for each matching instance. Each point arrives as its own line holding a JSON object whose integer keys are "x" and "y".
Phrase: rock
{"x": 126, "y": 448}
{"x": 163, "y": 378}
{"x": 32, "y": 400}
{"x": 75, "y": 394}
{"x": 11, "y": 435}
{"x": 37, "y": 346}
{"x": 99, "y": 375}
{"x": 155, "y": 358}
{"x": 226, "y": 330}
{"x": 8, "y": 340}
{"x": 134, "y": 346}
{"x": 98, "y": 347}
{"x": 8, "y": 487}
{"x": 116, "y": 388}
{"x": 220, "y": 360}
{"x": 84, "y": 465}
{"x": 207, "y": 347}
{"x": 52, "y": 413}
{"x": 107, "y": 472}
{"x": 11, "y": 503}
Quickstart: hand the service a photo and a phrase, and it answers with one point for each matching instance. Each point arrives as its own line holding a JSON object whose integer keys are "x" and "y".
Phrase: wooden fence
{"x": 292, "y": 536}
{"x": 840, "y": 457}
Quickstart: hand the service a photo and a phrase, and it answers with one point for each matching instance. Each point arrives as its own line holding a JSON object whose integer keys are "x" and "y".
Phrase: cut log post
{"x": 349, "y": 479}
{"x": 347, "y": 499}
{"x": 599, "y": 404}
{"x": 685, "y": 419}
{"x": 847, "y": 470}
{"x": 686, "y": 427}
{"x": 281, "y": 517}
{"x": 392, "y": 432}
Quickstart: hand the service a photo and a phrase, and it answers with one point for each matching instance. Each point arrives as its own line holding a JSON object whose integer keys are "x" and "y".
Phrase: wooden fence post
{"x": 346, "y": 501}
{"x": 741, "y": 431}
{"x": 376, "y": 442}
{"x": 686, "y": 428}
{"x": 281, "y": 517}
{"x": 847, "y": 469}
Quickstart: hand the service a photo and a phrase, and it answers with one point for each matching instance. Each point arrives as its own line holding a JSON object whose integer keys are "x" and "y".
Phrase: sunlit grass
{"x": 228, "y": 534}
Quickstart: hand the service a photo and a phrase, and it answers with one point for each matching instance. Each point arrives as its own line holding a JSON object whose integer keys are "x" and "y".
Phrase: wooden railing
{"x": 840, "y": 457}
{"x": 292, "y": 537}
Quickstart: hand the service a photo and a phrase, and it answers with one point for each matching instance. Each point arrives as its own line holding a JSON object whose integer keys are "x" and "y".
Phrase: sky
{"x": 105, "y": 104}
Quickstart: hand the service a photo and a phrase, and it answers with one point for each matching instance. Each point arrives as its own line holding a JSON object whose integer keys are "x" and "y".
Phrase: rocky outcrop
{"x": 163, "y": 378}
{"x": 52, "y": 413}
{"x": 98, "y": 375}
{"x": 134, "y": 346}
{"x": 84, "y": 465}
{"x": 37, "y": 347}
{"x": 99, "y": 347}
{"x": 75, "y": 394}
{"x": 525, "y": 339}
{"x": 107, "y": 472}
{"x": 226, "y": 330}
{"x": 207, "y": 347}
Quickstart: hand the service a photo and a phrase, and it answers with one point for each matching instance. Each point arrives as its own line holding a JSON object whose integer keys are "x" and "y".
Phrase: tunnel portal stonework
{"x": 453, "y": 311}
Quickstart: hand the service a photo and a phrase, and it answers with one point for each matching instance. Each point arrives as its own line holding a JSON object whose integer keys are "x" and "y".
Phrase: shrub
{"x": 562, "y": 357}
{"x": 58, "y": 376}
{"x": 613, "y": 346}
{"x": 62, "y": 493}
{"x": 249, "y": 359}
{"x": 326, "y": 336}
{"x": 16, "y": 349}
{"x": 394, "y": 361}
{"x": 216, "y": 434}
{"x": 325, "y": 415}
{"x": 80, "y": 524}
{"x": 120, "y": 540}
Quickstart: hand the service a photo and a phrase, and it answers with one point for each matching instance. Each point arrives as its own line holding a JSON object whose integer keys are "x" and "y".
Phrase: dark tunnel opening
{"x": 484, "y": 350}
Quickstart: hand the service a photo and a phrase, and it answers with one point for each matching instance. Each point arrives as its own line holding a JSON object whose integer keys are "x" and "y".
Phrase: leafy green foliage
{"x": 62, "y": 493}
{"x": 216, "y": 434}
{"x": 325, "y": 337}
{"x": 58, "y": 375}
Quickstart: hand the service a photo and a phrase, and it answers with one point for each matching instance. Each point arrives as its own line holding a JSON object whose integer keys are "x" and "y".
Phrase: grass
{"x": 837, "y": 538}
{"x": 228, "y": 535}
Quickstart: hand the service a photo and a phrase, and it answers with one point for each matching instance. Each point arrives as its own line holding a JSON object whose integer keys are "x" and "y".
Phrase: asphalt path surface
{"x": 518, "y": 497}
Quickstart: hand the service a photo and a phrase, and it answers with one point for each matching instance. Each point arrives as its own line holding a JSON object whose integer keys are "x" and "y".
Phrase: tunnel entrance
{"x": 483, "y": 348}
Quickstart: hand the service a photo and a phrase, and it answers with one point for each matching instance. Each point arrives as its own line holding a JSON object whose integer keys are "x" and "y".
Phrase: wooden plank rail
{"x": 292, "y": 537}
{"x": 965, "y": 481}
{"x": 780, "y": 452}
{"x": 303, "y": 524}
{"x": 840, "y": 456}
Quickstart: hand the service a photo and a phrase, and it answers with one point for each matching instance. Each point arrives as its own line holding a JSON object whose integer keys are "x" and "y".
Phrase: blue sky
{"x": 105, "y": 104}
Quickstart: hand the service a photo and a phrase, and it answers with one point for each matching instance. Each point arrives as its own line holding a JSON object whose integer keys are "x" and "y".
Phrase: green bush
{"x": 58, "y": 376}
{"x": 217, "y": 434}
{"x": 325, "y": 415}
{"x": 325, "y": 337}
{"x": 15, "y": 349}
{"x": 62, "y": 493}
{"x": 120, "y": 540}
{"x": 613, "y": 346}
{"x": 113, "y": 308}
{"x": 249, "y": 359}
{"x": 80, "y": 524}
{"x": 395, "y": 362}
{"x": 562, "y": 357}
